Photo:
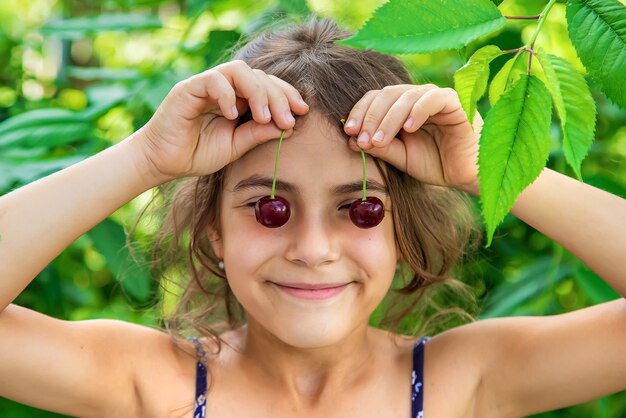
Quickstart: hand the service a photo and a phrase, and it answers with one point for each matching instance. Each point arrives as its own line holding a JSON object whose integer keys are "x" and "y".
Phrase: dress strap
{"x": 417, "y": 379}
{"x": 199, "y": 410}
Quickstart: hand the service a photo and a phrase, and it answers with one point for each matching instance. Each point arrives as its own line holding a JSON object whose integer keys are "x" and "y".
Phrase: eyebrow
{"x": 262, "y": 182}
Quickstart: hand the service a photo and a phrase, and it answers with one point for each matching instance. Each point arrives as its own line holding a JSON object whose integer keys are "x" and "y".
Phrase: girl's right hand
{"x": 194, "y": 131}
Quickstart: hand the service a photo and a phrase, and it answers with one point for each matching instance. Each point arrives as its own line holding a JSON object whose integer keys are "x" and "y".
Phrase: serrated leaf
{"x": 509, "y": 74}
{"x": 419, "y": 26}
{"x": 597, "y": 29}
{"x": 78, "y": 27}
{"x": 470, "y": 81}
{"x": 574, "y": 105}
{"x": 514, "y": 147}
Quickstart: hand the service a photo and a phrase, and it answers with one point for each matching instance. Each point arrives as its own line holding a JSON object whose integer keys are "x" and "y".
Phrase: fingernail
{"x": 378, "y": 136}
{"x": 408, "y": 123}
{"x": 363, "y": 138}
{"x": 266, "y": 112}
{"x": 302, "y": 102}
{"x": 350, "y": 123}
{"x": 234, "y": 111}
{"x": 289, "y": 117}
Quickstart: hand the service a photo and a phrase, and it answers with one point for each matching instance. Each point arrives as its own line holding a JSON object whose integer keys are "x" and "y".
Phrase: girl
{"x": 298, "y": 348}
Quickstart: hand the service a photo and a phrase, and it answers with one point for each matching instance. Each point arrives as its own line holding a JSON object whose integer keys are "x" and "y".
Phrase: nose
{"x": 314, "y": 241}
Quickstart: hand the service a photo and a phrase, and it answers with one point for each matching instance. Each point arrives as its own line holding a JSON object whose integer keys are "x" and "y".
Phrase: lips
{"x": 312, "y": 286}
{"x": 312, "y": 291}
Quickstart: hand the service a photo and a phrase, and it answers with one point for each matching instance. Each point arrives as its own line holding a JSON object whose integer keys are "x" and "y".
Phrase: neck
{"x": 307, "y": 376}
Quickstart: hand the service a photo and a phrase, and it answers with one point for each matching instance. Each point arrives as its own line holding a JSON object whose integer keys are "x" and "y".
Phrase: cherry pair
{"x": 273, "y": 211}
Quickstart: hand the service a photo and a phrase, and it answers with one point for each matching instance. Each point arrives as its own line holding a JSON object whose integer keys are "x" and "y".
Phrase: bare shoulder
{"x": 166, "y": 371}
{"x": 95, "y": 367}
{"x": 454, "y": 363}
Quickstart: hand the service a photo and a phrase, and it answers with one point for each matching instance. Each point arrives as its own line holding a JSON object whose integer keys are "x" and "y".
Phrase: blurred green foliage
{"x": 77, "y": 76}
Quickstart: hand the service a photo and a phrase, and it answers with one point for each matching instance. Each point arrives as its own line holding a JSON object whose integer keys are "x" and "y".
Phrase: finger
{"x": 394, "y": 153}
{"x": 278, "y": 102}
{"x": 397, "y": 116}
{"x": 355, "y": 118}
{"x": 296, "y": 102}
{"x": 441, "y": 105}
{"x": 248, "y": 86}
{"x": 374, "y": 115}
{"x": 199, "y": 93}
{"x": 242, "y": 106}
{"x": 252, "y": 133}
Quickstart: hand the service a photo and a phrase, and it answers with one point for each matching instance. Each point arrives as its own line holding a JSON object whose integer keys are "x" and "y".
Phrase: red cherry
{"x": 367, "y": 213}
{"x": 272, "y": 213}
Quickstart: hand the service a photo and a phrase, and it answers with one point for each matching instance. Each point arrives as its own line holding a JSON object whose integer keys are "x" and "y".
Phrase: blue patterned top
{"x": 417, "y": 380}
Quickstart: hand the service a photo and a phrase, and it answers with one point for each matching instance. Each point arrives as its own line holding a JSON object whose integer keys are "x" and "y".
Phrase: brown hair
{"x": 433, "y": 225}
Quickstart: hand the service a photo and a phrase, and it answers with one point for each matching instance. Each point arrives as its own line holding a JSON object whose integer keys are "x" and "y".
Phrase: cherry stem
{"x": 364, "y": 176}
{"x": 343, "y": 121}
{"x": 276, "y": 164}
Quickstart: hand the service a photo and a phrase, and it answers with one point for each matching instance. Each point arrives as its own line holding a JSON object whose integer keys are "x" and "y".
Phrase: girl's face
{"x": 320, "y": 177}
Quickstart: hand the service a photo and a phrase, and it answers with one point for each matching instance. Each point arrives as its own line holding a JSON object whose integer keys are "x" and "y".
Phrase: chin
{"x": 318, "y": 335}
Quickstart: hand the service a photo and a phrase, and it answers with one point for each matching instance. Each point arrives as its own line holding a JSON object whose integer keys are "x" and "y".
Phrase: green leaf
{"x": 574, "y": 105}
{"x": 110, "y": 240}
{"x": 403, "y": 27}
{"x": 594, "y": 287}
{"x": 509, "y": 74}
{"x": 219, "y": 43}
{"x": 470, "y": 81}
{"x": 295, "y": 7}
{"x": 514, "y": 147}
{"x": 44, "y": 127}
{"x": 597, "y": 29}
{"x": 156, "y": 88}
{"x": 531, "y": 282}
{"x": 52, "y": 127}
{"x": 78, "y": 27}
{"x": 98, "y": 73}
{"x": 196, "y": 7}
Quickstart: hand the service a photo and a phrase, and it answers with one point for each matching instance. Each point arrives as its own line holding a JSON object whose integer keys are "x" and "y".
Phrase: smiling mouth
{"x": 320, "y": 293}
{"x": 312, "y": 286}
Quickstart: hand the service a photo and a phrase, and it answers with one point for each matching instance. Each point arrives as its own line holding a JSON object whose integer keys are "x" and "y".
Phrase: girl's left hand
{"x": 435, "y": 144}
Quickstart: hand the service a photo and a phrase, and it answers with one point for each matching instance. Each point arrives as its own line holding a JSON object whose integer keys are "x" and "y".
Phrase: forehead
{"x": 317, "y": 153}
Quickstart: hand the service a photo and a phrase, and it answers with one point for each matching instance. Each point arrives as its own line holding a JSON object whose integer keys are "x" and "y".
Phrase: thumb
{"x": 252, "y": 133}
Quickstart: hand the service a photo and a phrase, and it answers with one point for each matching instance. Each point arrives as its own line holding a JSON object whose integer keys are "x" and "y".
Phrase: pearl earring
{"x": 221, "y": 264}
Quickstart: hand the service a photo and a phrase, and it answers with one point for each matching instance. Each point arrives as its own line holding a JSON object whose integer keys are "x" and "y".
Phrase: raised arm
{"x": 537, "y": 364}
{"x": 40, "y": 220}
{"x": 94, "y": 368}
{"x": 528, "y": 364}
{"x": 588, "y": 222}
{"x": 45, "y": 362}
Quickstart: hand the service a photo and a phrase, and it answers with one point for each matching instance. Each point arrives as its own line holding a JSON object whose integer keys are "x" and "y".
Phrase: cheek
{"x": 373, "y": 249}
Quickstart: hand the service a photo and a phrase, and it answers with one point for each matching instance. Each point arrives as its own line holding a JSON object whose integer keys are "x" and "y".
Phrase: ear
{"x": 216, "y": 242}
